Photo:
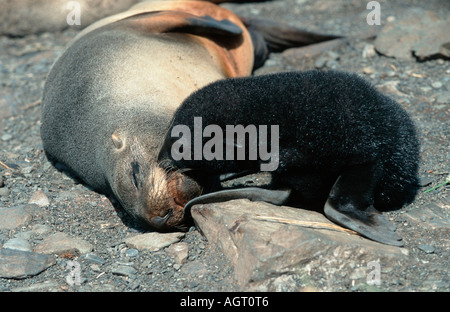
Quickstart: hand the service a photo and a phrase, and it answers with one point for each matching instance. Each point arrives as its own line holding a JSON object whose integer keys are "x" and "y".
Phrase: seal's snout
{"x": 161, "y": 222}
{"x": 170, "y": 221}
{"x": 167, "y": 193}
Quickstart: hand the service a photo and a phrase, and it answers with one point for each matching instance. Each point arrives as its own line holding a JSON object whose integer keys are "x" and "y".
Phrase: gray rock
{"x": 415, "y": 32}
{"x": 94, "y": 258}
{"x": 153, "y": 241}
{"x": 18, "y": 244}
{"x": 265, "y": 242}
{"x": 179, "y": 251}
{"x": 436, "y": 85}
{"x": 296, "y": 55}
{"x": 11, "y": 218}
{"x": 39, "y": 198}
{"x": 123, "y": 270}
{"x": 6, "y": 137}
{"x": 443, "y": 98}
{"x": 368, "y": 51}
{"x": 40, "y": 229}
{"x": 195, "y": 268}
{"x": 390, "y": 87}
{"x": 44, "y": 286}
{"x": 4, "y": 191}
{"x": 432, "y": 215}
{"x": 61, "y": 243}
{"x": 24, "y": 235}
{"x": 426, "y": 248}
{"x": 23, "y": 17}
{"x": 22, "y": 264}
{"x": 131, "y": 252}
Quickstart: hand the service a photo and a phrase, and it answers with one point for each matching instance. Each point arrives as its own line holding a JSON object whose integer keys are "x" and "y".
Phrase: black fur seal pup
{"x": 109, "y": 98}
{"x": 342, "y": 144}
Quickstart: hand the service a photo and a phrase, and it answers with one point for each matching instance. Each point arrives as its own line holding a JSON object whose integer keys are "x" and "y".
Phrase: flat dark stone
{"x": 19, "y": 264}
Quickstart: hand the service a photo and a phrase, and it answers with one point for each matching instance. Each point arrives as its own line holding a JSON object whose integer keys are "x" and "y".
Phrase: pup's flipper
{"x": 380, "y": 229}
{"x": 269, "y": 36}
{"x": 350, "y": 205}
{"x": 276, "y": 197}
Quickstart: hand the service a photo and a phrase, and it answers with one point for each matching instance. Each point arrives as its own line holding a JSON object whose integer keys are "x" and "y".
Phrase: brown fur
{"x": 109, "y": 99}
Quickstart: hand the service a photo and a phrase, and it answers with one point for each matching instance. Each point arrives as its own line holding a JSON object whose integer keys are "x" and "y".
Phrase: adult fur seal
{"x": 110, "y": 96}
{"x": 342, "y": 144}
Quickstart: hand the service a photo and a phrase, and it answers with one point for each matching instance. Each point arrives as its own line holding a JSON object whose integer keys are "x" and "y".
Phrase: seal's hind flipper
{"x": 350, "y": 204}
{"x": 379, "y": 230}
{"x": 269, "y": 36}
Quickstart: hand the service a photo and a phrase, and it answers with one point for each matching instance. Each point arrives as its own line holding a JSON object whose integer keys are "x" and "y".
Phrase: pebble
{"x": 39, "y": 198}
{"x": 368, "y": 70}
{"x": 131, "y": 252}
{"x": 426, "y": 248}
{"x": 61, "y": 243}
{"x": 6, "y": 137}
{"x": 4, "y": 191}
{"x": 436, "y": 84}
{"x": 40, "y": 229}
{"x": 369, "y": 51}
{"x": 27, "y": 170}
{"x": 424, "y": 181}
{"x": 94, "y": 258}
{"x": 390, "y": 87}
{"x": 18, "y": 244}
{"x": 179, "y": 251}
{"x": 443, "y": 97}
{"x": 123, "y": 270}
{"x": 96, "y": 268}
{"x": 11, "y": 218}
{"x": 153, "y": 241}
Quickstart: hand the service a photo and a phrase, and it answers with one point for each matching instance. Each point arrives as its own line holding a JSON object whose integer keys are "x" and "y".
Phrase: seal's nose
{"x": 161, "y": 222}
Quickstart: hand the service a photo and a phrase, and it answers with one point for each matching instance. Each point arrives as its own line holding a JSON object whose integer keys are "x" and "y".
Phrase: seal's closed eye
{"x": 135, "y": 174}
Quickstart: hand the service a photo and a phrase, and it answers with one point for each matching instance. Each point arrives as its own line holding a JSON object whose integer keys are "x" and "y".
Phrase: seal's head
{"x": 150, "y": 192}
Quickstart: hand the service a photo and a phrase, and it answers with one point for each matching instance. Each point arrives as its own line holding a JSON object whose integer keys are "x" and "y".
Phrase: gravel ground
{"x": 421, "y": 87}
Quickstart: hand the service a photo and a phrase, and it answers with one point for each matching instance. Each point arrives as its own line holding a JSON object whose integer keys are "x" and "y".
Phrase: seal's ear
{"x": 174, "y": 21}
{"x": 117, "y": 141}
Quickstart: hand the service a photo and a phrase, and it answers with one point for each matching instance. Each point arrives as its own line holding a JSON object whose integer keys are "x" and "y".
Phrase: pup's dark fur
{"x": 341, "y": 141}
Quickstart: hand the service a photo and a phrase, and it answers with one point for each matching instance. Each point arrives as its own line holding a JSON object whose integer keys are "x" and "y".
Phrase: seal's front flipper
{"x": 182, "y": 22}
{"x": 350, "y": 205}
{"x": 276, "y": 197}
{"x": 269, "y": 36}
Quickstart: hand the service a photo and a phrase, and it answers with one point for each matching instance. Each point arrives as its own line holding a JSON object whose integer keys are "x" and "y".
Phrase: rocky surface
{"x": 415, "y": 33}
{"x": 269, "y": 244}
{"x": 58, "y": 235}
{"x": 26, "y": 17}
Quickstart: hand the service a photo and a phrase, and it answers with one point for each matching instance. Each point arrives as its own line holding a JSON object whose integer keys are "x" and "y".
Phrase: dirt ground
{"x": 422, "y": 88}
